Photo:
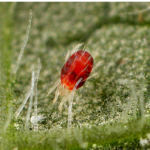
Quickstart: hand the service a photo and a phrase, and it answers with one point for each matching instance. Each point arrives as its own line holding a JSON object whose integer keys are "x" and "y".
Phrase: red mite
{"x": 79, "y": 65}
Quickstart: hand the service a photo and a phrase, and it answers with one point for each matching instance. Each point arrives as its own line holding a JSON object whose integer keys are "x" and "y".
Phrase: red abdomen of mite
{"x": 79, "y": 65}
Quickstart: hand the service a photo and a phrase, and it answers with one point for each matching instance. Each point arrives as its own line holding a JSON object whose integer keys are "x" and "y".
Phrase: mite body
{"x": 79, "y": 65}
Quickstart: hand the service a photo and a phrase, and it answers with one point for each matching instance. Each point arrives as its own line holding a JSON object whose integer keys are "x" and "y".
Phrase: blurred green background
{"x": 113, "y": 35}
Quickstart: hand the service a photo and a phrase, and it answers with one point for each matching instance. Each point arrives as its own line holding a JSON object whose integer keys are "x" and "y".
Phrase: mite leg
{"x": 70, "y": 103}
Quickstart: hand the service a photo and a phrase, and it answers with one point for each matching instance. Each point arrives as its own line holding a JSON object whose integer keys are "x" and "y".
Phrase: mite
{"x": 74, "y": 74}
{"x": 78, "y": 66}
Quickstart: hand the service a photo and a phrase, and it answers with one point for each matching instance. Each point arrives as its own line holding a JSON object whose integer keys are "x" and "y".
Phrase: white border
{"x": 75, "y": 1}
